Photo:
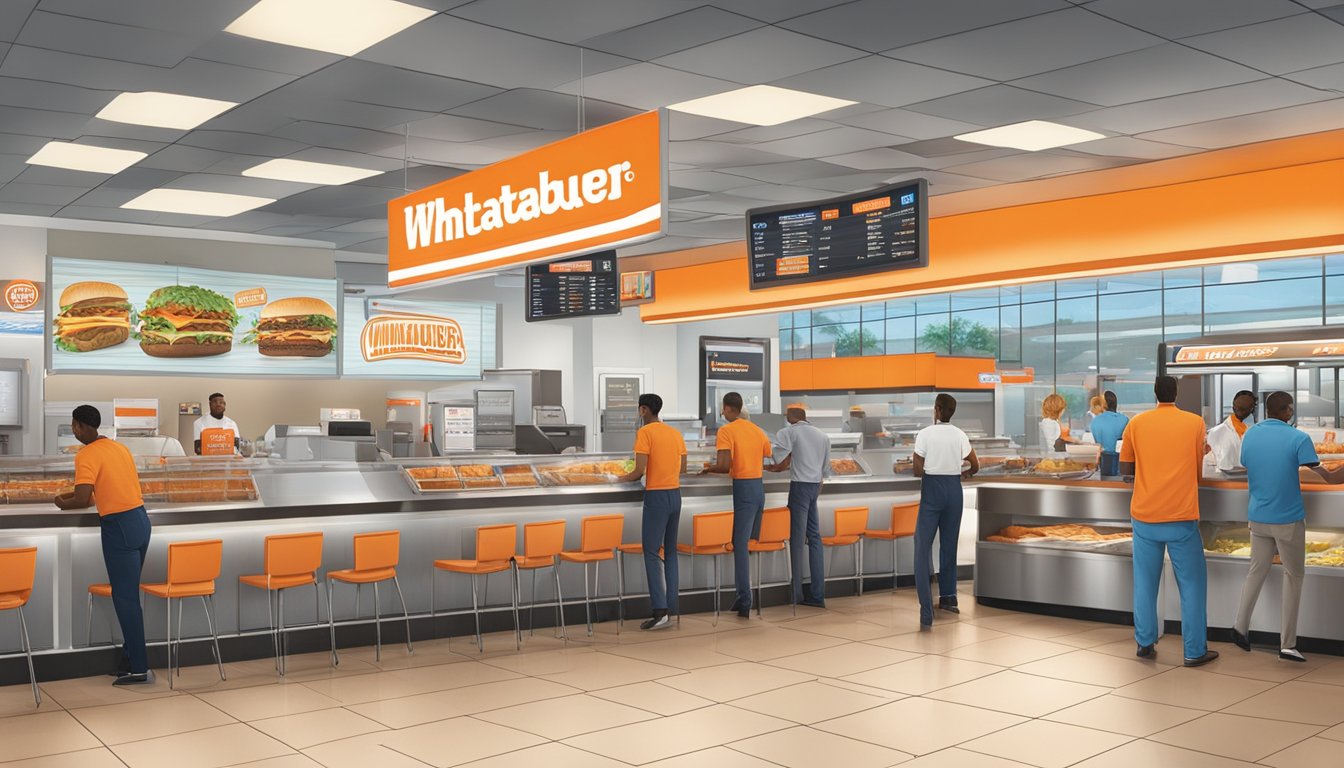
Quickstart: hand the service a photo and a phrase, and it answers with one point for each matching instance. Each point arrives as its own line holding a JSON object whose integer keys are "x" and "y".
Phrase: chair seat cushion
{"x": 100, "y": 590}
{"x": 351, "y": 576}
{"x": 186, "y": 589}
{"x": 532, "y": 563}
{"x": 769, "y": 546}
{"x": 887, "y": 535}
{"x": 587, "y": 557}
{"x": 262, "y": 581}
{"x": 11, "y": 600}
{"x": 472, "y": 566}
{"x": 838, "y": 541}
{"x": 715, "y": 549}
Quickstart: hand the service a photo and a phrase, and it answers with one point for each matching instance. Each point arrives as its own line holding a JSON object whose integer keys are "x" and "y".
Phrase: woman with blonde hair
{"x": 1053, "y": 432}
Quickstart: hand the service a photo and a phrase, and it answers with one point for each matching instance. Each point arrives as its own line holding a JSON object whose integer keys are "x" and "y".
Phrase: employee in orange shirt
{"x": 660, "y": 458}
{"x": 105, "y": 476}
{"x": 1163, "y": 450}
{"x": 742, "y": 447}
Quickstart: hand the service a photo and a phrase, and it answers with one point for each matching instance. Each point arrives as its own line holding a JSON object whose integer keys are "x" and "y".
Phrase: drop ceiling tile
{"x": 140, "y": 178}
{"x": 884, "y": 81}
{"x": 683, "y": 126}
{"x": 249, "y": 52}
{"x": 193, "y": 76}
{"x": 15, "y": 92}
{"x": 1335, "y": 12}
{"x": 458, "y": 128}
{"x": 1279, "y": 46}
{"x": 238, "y": 185}
{"x": 333, "y": 201}
{"x": 12, "y": 15}
{"x": 543, "y": 110}
{"x": 904, "y": 122}
{"x": 832, "y": 142}
{"x": 672, "y": 33}
{"x": 59, "y": 177}
{"x": 180, "y": 157}
{"x": 716, "y": 154}
{"x": 455, "y": 47}
{"x": 787, "y": 130}
{"x": 335, "y": 238}
{"x": 336, "y": 111}
{"x": 12, "y": 165}
{"x": 1192, "y": 17}
{"x": 730, "y": 228}
{"x": 885, "y": 158}
{"x": 706, "y": 181}
{"x": 17, "y": 144}
{"x": 1029, "y": 46}
{"x": 517, "y": 143}
{"x": 254, "y": 221}
{"x": 109, "y": 197}
{"x": 249, "y": 118}
{"x": 771, "y": 11}
{"x": 414, "y": 177}
{"x": 242, "y": 143}
{"x": 1331, "y": 77}
{"x": 309, "y": 133}
{"x": 378, "y": 246}
{"x": 373, "y": 83}
{"x": 454, "y": 153}
{"x": 109, "y": 40}
{"x": 342, "y": 157}
{"x": 760, "y": 56}
{"x": 647, "y": 86}
{"x": 361, "y": 226}
{"x": 39, "y": 194}
{"x": 853, "y": 182}
{"x": 1202, "y": 106}
{"x": 126, "y": 132}
{"x": 875, "y": 25}
{"x": 1127, "y": 146}
{"x": 155, "y": 14}
{"x": 29, "y": 209}
{"x": 1163, "y": 70}
{"x": 1001, "y": 105}
{"x": 567, "y": 22}
{"x": 1032, "y": 165}
{"x": 780, "y": 193}
{"x": 1248, "y": 129}
{"x": 788, "y": 172}
{"x": 41, "y": 122}
{"x": 665, "y": 244}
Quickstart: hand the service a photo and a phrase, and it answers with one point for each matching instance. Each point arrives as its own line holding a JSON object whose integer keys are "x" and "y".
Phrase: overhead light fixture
{"x": 1032, "y": 136}
{"x": 305, "y": 172}
{"x": 342, "y": 27}
{"x": 85, "y": 157}
{"x": 163, "y": 110}
{"x": 761, "y": 105}
{"x": 195, "y": 203}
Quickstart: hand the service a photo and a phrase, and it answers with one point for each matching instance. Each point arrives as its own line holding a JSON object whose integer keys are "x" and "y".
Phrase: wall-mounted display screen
{"x": 636, "y": 287}
{"x": 588, "y": 285}
{"x": 120, "y": 317}
{"x": 875, "y": 231}
{"x": 409, "y": 339}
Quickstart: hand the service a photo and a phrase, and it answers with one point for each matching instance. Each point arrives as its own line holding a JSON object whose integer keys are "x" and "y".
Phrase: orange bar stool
{"x": 496, "y": 546}
{"x": 542, "y": 544}
{"x": 711, "y": 536}
{"x": 850, "y": 523}
{"x": 376, "y": 556}
{"x": 599, "y": 537}
{"x": 774, "y": 538}
{"x": 193, "y": 567}
{"x": 104, "y": 591}
{"x": 18, "y": 569}
{"x": 290, "y": 560}
{"x": 903, "y": 518}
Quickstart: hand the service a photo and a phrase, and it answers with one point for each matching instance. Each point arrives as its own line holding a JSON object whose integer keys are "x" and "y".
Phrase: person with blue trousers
{"x": 940, "y": 451}
{"x": 742, "y": 449}
{"x": 1107, "y": 429}
{"x": 660, "y": 459}
{"x": 805, "y": 453}
{"x": 1163, "y": 451}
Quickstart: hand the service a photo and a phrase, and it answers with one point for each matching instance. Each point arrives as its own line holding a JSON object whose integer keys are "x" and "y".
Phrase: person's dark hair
{"x": 214, "y": 395}
{"x": 1277, "y": 403}
{"x": 1165, "y": 389}
{"x": 733, "y": 400}
{"x": 88, "y": 416}
{"x": 946, "y": 404}
{"x": 651, "y": 401}
{"x": 1245, "y": 393}
{"x": 1112, "y": 402}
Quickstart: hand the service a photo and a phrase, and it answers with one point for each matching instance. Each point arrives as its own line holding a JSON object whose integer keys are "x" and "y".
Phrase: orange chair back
{"x": 376, "y": 551}
{"x": 602, "y": 533}
{"x": 903, "y": 518}
{"x": 543, "y": 539}
{"x": 18, "y": 568}
{"x": 293, "y": 554}
{"x": 496, "y": 543}
{"x": 774, "y": 526}
{"x": 190, "y": 562}
{"x": 714, "y": 529}
{"x": 851, "y": 521}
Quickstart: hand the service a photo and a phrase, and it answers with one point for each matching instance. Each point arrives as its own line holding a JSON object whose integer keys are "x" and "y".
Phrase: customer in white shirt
{"x": 1225, "y": 439}
{"x": 939, "y": 453}
{"x": 805, "y": 452}
{"x": 214, "y": 433}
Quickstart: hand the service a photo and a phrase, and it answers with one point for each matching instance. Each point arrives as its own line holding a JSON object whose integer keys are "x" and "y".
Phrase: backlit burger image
{"x": 187, "y": 321}
{"x": 298, "y": 326}
{"x": 92, "y": 315}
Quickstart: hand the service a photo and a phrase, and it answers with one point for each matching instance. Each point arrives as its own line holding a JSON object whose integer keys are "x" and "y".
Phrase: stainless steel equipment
{"x": 618, "y": 428}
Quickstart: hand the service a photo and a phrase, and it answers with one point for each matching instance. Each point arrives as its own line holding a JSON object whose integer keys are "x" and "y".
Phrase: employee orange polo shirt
{"x": 749, "y": 445}
{"x": 110, "y": 468}
{"x": 1166, "y": 446}
{"x": 664, "y": 447}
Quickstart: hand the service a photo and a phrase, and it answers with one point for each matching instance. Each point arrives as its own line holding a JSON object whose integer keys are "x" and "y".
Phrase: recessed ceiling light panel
{"x": 761, "y": 105}
{"x": 196, "y": 203}
{"x": 1033, "y": 136}
{"x": 163, "y": 110}
{"x": 342, "y": 27}
{"x": 305, "y": 172}
{"x": 85, "y": 157}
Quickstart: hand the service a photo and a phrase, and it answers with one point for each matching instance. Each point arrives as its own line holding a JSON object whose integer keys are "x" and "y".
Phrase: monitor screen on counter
{"x": 587, "y": 285}
{"x": 876, "y": 231}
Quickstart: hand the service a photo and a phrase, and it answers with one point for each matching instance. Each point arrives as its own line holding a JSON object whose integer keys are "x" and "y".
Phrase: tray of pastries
{"x": 479, "y": 476}
{"x": 846, "y": 466}
{"x": 1109, "y": 539}
{"x": 1329, "y": 445}
{"x": 35, "y": 489}
{"x": 1002, "y": 465}
{"x": 585, "y": 472}
{"x": 518, "y": 476}
{"x": 437, "y": 478}
{"x": 1062, "y": 469}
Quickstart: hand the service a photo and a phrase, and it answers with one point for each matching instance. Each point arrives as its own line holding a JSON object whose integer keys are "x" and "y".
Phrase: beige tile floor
{"x": 856, "y": 685}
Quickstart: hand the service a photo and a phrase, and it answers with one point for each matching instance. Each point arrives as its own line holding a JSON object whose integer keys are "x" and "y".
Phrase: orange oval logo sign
{"x": 22, "y": 295}
{"x": 413, "y": 337}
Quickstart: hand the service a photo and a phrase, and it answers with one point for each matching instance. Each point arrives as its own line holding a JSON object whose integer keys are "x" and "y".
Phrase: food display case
{"x": 516, "y": 472}
{"x": 36, "y": 480}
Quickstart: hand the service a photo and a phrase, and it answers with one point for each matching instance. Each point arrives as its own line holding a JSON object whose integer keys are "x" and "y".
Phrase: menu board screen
{"x": 588, "y": 285}
{"x": 876, "y": 231}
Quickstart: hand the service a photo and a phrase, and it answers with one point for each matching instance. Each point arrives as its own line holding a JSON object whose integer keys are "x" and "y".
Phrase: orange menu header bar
{"x": 875, "y": 204}
{"x": 599, "y": 189}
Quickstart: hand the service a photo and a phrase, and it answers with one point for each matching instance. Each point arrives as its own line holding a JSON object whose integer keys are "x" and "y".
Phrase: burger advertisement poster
{"x": 120, "y": 317}
{"x": 408, "y": 339}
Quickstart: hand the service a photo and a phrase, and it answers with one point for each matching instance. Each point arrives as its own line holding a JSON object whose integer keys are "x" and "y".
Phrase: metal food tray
{"x": 1078, "y": 474}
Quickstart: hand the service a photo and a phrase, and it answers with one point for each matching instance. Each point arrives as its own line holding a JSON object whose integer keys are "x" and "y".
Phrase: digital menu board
{"x": 587, "y": 285}
{"x": 875, "y": 231}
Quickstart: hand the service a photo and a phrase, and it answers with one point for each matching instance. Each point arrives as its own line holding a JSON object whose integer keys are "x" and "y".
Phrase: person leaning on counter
{"x": 1163, "y": 451}
{"x": 1225, "y": 439}
{"x": 660, "y": 457}
{"x": 806, "y": 455}
{"x": 1273, "y": 451}
{"x": 105, "y": 475}
{"x": 743, "y": 448}
{"x": 939, "y": 451}
{"x": 215, "y": 433}
{"x": 1107, "y": 428}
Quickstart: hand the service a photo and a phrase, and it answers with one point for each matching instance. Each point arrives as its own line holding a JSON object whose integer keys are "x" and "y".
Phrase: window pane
{"x": 1334, "y": 264}
{"x": 901, "y": 308}
{"x": 1069, "y": 289}
{"x": 933, "y": 334}
{"x": 876, "y": 311}
{"x": 1130, "y": 328}
{"x": 901, "y": 336}
{"x": 830, "y": 315}
{"x": 1277, "y": 304}
{"x": 786, "y": 320}
{"x": 1251, "y": 271}
{"x": 1010, "y": 294}
{"x": 1334, "y": 299}
{"x": 975, "y": 299}
{"x": 837, "y": 340}
{"x": 1181, "y": 308}
{"x": 1139, "y": 281}
{"x": 1076, "y": 337}
{"x": 1183, "y": 278}
{"x": 1010, "y": 334}
{"x": 975, "y": 333}
{"x": 799, "y": 342}
{"x": 927, "y": 305}
{"x": 1038, "y": 340}
{"x": 802, "y": 319}
{"x": 1038, "y": 292}
{"x": 874, "y": 336}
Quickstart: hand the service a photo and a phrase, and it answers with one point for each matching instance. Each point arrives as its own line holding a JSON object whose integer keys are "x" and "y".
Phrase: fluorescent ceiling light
{"x": 196, "y": 203}
{"x": 761, "y": 105}
{"x": 1033, "y": 135}
{"x": 85, "y": 157}
{"x": 163, "y": 110}
{"x": 343, "y": 27}
{"x": 308, "y": 173}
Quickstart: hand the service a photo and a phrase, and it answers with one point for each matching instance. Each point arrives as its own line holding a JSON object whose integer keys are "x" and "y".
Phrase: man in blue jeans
{"x": 805, "y": 452}
{"x": 939, "y": 452}
{"x": 660, "y": 458}
{"x": 743, "y": 448}
{"x": 105, "y": 476}
{"x": 1107, "y": 429}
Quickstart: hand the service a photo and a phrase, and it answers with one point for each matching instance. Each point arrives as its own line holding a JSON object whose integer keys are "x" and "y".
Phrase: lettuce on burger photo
{"x": 187, "y": 321}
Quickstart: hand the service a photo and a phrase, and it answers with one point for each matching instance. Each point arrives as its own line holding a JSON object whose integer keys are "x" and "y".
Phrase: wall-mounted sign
{"x": 599, "y": 189}
{"x": 1281, "y": 351}
{"x": 991, "y": 378}
{"x": 636, "y": 288}
{"x": 733, "y": 365}
{"x": 23, "y": 296}
{"x": 21, "y": 307}
{"x": 392, "y": 338}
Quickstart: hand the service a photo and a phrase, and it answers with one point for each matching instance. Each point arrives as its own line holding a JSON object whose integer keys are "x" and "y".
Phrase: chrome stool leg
{"x": 331, "y": 624}
{"x": 405, "y": 613}
{"x": 28, "y": 651}
{"x": 206, "y": 602}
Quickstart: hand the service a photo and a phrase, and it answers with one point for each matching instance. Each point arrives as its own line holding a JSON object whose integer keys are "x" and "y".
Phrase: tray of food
{"x": 1329, "y": 445}
{"x": 1104, "y": 539}
{"x": 1002, "y": 465}
{"x": 585, "y": 472}
{"x": 36, "y": 489}
{"x": 1062, "y": 469}
{"x": 846, "y": 466}
{"x": 518, "y": 476}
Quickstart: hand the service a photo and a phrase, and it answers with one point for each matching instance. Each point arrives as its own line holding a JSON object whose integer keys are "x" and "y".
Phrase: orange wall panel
{"x": 883, "y": 372}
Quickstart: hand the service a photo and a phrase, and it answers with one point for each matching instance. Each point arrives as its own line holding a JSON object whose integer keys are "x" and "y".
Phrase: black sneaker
{"x": 1202, "y": 660}
{"x": 810, "y": 603}
{"x": 134, "y": 678}
{"x": 1291, "y": 654}
{"x": 744, "y": 612}
{"x": 657, "y": 622}
{"x": 949, "y": 607}
{"x": 737, "y": 605}
{"x": 1146, "y": 652}
{"x": 1243, "y": 642}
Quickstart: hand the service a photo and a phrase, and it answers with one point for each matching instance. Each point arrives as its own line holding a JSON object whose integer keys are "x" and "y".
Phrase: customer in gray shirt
{"x": 805, "y": 452}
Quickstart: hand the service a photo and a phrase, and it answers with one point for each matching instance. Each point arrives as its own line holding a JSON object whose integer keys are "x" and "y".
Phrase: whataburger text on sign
{"x": 599, "y": 189}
